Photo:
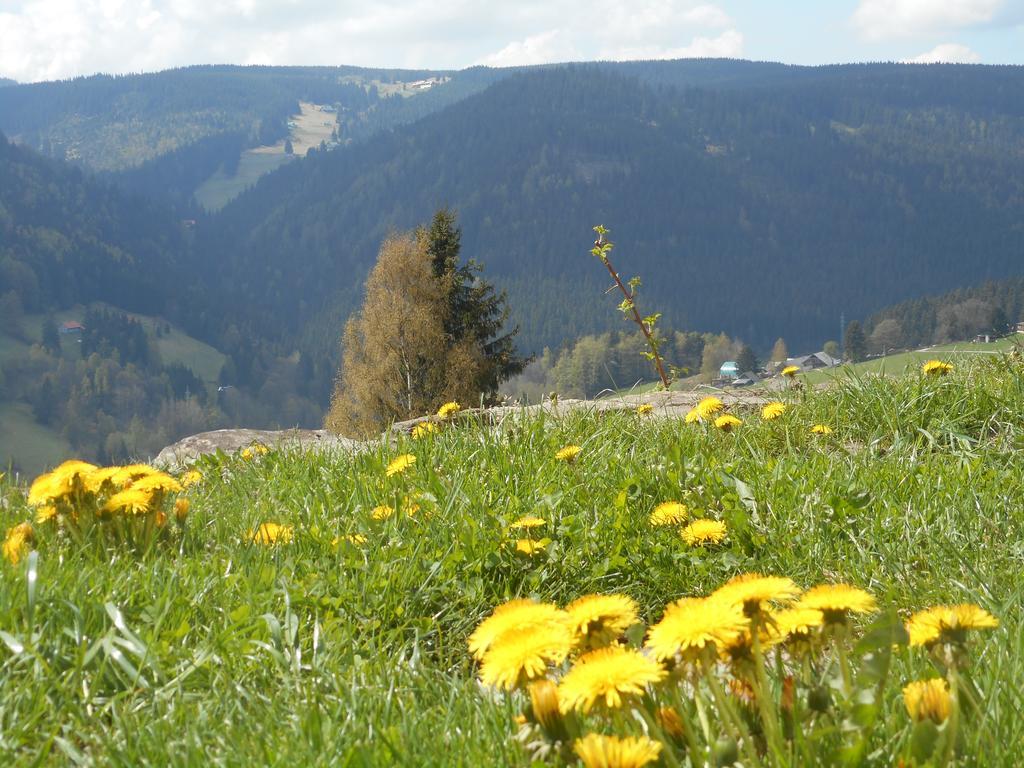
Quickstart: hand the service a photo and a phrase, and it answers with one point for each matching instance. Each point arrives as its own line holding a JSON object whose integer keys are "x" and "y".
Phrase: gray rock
{"x": 666, "y": 405}
{"x": 189, "y": 449}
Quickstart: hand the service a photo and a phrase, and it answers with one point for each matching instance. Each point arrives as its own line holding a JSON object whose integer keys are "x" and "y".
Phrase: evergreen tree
{"x": 288, "y": 148}
{"x": 855, "y": 346}
{"x": 746, "y": 360}
{"x": 831, "y": 349}
{"x": 475, "y": 311}
{"x": 51, "y": 336}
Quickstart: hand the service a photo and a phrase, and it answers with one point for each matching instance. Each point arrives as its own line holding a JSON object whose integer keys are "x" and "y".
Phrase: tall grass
{"x": 211, "y": 649}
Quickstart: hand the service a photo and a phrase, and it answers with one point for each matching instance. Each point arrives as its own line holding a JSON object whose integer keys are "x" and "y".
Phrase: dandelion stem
{"x": 742, "y": 733}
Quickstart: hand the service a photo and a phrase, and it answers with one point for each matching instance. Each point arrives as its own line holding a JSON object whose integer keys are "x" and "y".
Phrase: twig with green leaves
{"x": 648, "y": 324}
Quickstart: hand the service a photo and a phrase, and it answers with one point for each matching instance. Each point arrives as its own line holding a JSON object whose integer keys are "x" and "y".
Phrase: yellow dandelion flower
{"x": 773, "y": 411}
{"x": 254, "y": 450}
{"x": 927, "y": 700}
{"x": 644, "y": 409}
{"x": 753, "y": 592}
{"x": 62, "y": 481}
{"x": 522, "y": 654}
{"x": 158, "y": 481}
{"x": 531, "y": 546}
{"x": 448, "y": 410}
{"x": 709, "y": 406}
{"x": 529, "y": 521}
{"x": 692, "y": 415}
{"x": 821, "y": 429}
{"x": 568, "y": 454}
{"x": 16, "y": 544}
{"x": 727, "y": 422}
{"x": 599, "y": 751}
{"x": 837, "y": 601}
{"x": 605, "y": 676}
{"x": 128, "y": 474}
{"x": 132, "y": 501}
{"x": 399, "y": 464}
{"x": 512, "y": 615}
{"x": 103, "y": 479}
{"x": 423, "y": 429}
{"x": 936, "y": 368}
{"x": 515, "y": 614}
{"x": 355, "y": 539}
{"x": 382, "y": 512}
{"x": 669, "y": 513}
{"x": 790, "y": 371}
{"x": 948, "y": 623}
{"x": 271, "y": 533}
{"x": 693, "y": 623}
{"x": 600, "y": 619}
{"x": 45, "y": 514}
{"x": 704, "y": 532}
{"x": 190, "y": 478}
{"x": 791, "y": 624}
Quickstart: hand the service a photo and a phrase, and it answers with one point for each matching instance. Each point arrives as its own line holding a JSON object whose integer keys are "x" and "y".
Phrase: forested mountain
{"x": 67, "y": 239}
{"x": 115, "y": 122}
{"x": 763, "y": 208}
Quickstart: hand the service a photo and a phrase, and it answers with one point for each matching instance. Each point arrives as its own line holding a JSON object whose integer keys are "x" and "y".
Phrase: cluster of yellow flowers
{"x": 432, "y": 426}
{"x": 697, "y": 533}
{"x": 711, "y": 410}
{"x": 129, "y": 502}
{"x": 575, "y": 664}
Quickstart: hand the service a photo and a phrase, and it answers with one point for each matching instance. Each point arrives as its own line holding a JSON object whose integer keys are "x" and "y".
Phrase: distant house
{"x": 729, "y": 370}
{"x": 813, "y": 362}
{"x": 1020, "y": 327}
{"x": 746, "y": 378}
{"x": 71, "y": 326}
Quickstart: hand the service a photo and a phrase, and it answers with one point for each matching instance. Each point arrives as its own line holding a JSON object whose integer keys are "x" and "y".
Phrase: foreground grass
{"x": 212, "y": 650}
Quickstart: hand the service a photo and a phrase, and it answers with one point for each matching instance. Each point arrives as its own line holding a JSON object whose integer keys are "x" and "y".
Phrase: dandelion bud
{"x": 181, "y": 507}
{"x": 671, "y": 723}
{"x": 545, "y": 709}
{"x": 927, "y": 700}
{"x": 161, "y": 519}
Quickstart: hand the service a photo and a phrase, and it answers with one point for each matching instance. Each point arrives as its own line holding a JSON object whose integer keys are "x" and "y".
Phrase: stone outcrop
{"x": 665, "y": 405}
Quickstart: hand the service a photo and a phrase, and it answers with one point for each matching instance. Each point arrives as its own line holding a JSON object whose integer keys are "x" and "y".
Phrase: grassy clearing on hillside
{"x": 33, "y": 446}
{"x": 329, "y": 650}
{"x": 910, "y": 362}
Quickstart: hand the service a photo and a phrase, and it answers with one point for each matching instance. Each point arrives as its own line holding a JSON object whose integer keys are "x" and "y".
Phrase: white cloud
{"x": 883, "y": 19}
{"x": 50, "y": 39}
{"x": 946, "y": 53}
{"x": 645, "y": 29}
{"x": 536, "y": 49}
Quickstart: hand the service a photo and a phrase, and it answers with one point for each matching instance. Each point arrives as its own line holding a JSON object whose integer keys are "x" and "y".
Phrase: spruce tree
{"x": 746, "y": 360}
{"x": 476, "y": 310}
{"x": 51, "y": 337}
{"x": 855, "y": 346}
{"x": 780, "y": 353}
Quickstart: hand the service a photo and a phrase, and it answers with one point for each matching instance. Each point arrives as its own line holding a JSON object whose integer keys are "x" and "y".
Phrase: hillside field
{"x": 316, "y": 609}
{"x": 35, "y": 447}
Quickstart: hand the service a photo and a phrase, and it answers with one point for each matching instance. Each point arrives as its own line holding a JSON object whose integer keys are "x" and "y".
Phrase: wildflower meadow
{"x": 833, "y": 578}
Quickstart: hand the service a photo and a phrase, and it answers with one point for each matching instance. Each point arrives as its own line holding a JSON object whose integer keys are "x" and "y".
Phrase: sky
{"x": 55, "y": 39}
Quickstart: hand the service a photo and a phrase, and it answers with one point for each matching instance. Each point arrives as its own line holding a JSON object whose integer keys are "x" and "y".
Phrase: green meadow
{"x": 344, "y": 642}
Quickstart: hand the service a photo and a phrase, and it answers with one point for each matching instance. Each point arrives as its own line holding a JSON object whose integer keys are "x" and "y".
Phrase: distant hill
{"x": 764, "y": 204}
{"x": 992, "y": 308}
{"x": 67, "y": 239}
{"x": 6, "y": 81}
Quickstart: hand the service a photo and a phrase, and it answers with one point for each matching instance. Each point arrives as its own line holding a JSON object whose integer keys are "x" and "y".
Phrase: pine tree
{"x": 855, "y": 346}
{"x": 476, "y": 312}
{"x": 51, "y": 337}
